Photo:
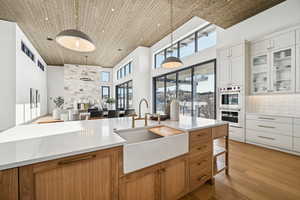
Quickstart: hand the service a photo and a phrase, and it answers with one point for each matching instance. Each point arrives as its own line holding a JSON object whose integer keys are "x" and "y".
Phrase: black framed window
{"x": 27, "y": 51}
{"x": 40, "y": 65}
{"x": 199, "y": 40}
{"x": 187, "y": 46}
{"x": 124, "y": 95}
{"x": 105, "y": 76}
{"x": 159, "y": 58}
{"x": 124, "y": 70}
{"x": 105, "y": 92}
{"x": 194, "y": 87}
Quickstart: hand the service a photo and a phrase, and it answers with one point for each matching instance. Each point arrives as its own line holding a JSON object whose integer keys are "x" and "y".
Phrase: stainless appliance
{"x": 233, "y": 116}
{"x": 230, "y": 97}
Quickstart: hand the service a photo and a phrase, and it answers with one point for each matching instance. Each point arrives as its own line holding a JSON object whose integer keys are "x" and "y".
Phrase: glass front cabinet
{"x": 273, "y": 69}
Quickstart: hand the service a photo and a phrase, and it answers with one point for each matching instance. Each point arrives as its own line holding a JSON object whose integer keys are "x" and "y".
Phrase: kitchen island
{"x": 61, "y": 161}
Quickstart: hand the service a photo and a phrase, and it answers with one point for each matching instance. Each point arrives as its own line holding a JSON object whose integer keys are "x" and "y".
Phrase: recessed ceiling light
{"x": 158, "y": 25}
{"x": 46, "y": 18}
{"x": 103, "y": 31}
{"x": 112, "y": 9}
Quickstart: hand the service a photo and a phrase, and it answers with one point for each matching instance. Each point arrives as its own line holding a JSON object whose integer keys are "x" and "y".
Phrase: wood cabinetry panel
{"x": 220, "y": 131}
{"x": 90, "y": 176}
{"x": 174, "y": 179}
{"x": 141, "y": 187}
{"x": 9, "y": 184}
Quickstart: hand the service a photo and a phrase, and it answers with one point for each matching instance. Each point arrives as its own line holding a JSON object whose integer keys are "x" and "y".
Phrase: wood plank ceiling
{"x": 117, "y": 24}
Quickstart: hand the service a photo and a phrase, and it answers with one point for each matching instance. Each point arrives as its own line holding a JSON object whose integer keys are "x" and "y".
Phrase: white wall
{"x": 29, "y": 75}
{"x": 55, "y": 84}
{"x": 273, "y": 19}
{"x": 7, "y": 75}
{"x": 140, "y": 75}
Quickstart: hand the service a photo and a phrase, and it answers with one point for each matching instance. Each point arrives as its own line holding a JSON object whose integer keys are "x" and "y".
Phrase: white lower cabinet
{"x": 298, "y": 68}
{"x": 272, "y": 131}
{"x": 237, "y": 133}
{"x": 270, "y": 139}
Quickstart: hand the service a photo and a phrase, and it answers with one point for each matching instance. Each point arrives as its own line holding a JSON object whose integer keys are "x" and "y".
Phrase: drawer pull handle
{"x": 200, "y": 148}
{"x": 267, "y": 118}
{"x": 200, "y": 163}
{"x": 65, "y": 162}
{"x": 266, "y": 126}
{"x": 202, "y": 178}
{"x": 268, "y": 138}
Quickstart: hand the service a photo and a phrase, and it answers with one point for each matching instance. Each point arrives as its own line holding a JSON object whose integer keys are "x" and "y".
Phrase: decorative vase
{"x": 174, "y": 110}
{"x": 56, "y": 114}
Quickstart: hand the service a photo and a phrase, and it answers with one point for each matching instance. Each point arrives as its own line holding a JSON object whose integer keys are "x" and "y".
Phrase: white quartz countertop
{"x": 28, "y": 144}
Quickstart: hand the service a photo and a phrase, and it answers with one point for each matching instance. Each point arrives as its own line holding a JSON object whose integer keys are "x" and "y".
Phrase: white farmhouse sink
{"x": 144, "y": 148}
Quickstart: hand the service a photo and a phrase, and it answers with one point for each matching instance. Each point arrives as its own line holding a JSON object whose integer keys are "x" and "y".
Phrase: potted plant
{"x": 110, "y": 102}
{"x": 59, "y": 102}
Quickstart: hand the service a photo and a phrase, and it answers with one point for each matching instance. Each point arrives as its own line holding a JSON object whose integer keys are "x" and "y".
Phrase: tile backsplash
{"x": 288, "y": 104}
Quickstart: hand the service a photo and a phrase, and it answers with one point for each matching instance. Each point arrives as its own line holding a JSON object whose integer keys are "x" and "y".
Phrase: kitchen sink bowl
{"x": 144, "y": 148}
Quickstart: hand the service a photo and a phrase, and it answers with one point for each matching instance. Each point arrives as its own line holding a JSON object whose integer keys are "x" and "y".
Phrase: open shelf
{"x": 219, "y": 165}
{"x": 218, "y": 150}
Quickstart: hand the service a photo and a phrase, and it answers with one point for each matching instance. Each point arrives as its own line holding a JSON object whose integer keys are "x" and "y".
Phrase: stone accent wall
{"x": 82, "y": 91}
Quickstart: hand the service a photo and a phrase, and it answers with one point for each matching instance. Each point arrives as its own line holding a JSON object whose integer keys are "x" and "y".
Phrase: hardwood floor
{"x": 256, "y": 173}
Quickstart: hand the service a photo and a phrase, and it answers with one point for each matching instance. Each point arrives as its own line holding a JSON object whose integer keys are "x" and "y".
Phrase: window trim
{"x": 192, "y": 79}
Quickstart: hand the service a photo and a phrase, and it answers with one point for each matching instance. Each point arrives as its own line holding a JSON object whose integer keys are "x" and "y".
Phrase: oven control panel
{"x": 231, "y": 89}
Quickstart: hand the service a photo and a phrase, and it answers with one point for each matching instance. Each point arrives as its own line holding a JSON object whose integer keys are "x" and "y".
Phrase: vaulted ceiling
{"x": 117, "y": 24}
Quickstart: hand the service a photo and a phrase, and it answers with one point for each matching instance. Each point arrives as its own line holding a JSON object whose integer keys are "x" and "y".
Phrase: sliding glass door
{"x": 193, "y": 87}
{"x": 124, "y": 95}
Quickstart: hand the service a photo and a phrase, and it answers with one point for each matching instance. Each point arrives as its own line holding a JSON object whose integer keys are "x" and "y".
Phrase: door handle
{"x": 267, "y": 118}
{"x": 70, "y": 161}
{"x": 266, "y": 126}
{"x": 268, "y": 138}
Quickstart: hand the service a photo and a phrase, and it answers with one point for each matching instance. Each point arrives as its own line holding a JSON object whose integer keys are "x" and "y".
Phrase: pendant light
{"x": 84, "y": 74}
{"x": 171, "y": 62}
{"x": 74, "y": 39}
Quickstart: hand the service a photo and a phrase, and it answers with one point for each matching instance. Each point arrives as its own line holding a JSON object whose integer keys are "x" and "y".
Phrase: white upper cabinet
{"x": 282, "y": 40}
{"x": 273, "y": 64}
{"x": 237, "y": 70}
{"x": 298, "y": 68}
{"x": 231, "y": 65}
{"x": 260, "y": 47}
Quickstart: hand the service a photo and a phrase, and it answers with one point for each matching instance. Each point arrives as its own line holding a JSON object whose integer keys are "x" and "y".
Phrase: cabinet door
{"x": 283, "y": 70}
{"x": 237, "y": 70}
{"x": 174, "y": 179}
{"x": 9, "y": 184}
{"x": 298, "y": 68}
{"x": 259, "y": 47}
{"x": 224, "y": 72}
{"x": 90, "y": 176}
{"x": 140, "y": 185}
{"x": 283, "y": 40}
{"x": 237, "y": 51}
{"x": 260, "y": 73}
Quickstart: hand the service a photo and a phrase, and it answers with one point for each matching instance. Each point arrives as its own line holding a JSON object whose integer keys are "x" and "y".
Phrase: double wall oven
{"x": 230, "y": 105}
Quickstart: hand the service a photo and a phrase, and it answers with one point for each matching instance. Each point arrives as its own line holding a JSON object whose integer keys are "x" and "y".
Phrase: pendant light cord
{"x": 171, "y": 21}
{"x": 76, "y": 5}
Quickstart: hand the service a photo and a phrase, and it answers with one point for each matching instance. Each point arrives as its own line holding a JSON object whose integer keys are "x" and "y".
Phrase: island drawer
{"x": 220, "y": 131}
{"x": 198, "y": 179}
{"x": 201, "y": 148}
{"x": 200, "y": 164}
{"x": 200, "y": 135}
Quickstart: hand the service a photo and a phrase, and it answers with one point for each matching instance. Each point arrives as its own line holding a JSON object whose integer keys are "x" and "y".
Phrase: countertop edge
{"x": 54, "y": 157}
